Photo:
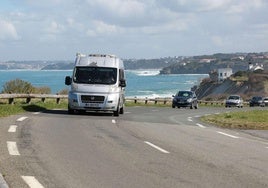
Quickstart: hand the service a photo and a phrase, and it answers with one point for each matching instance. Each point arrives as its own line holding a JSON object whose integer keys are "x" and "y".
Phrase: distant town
{"x": 167, "y": 65}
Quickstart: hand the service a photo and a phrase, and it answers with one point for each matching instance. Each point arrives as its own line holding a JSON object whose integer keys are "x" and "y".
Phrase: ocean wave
{"x": 145, "y": 72}
{"x": 152, "y": 95}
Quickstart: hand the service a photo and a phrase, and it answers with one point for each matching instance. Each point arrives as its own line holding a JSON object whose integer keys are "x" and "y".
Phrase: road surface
{"x": 146, "y": 147}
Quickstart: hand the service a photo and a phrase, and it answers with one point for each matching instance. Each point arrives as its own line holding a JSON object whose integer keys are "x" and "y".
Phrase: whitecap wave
{"x": 145, "y": 72}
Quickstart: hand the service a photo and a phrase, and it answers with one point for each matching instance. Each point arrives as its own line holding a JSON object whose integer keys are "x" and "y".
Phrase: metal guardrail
{"x": 43, "y": 97}
{"x": 169, "y": 100}
{"x": 148, "y": 100}
{"x": 28, "y": 97}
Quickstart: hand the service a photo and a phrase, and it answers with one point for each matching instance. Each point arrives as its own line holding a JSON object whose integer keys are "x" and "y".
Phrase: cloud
{"x": 54, "y": 28}
{"x": 100, "y": 28}
{"x": 134, "y": 28}
{"x": 118, "y": 8}
{"x": 8, "y": 31}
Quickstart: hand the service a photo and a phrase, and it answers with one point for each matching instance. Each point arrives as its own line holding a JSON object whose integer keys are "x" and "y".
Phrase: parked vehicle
{"x": 264, "y": 102}
{"x": 255, "y": 101}
{"x": 98, "y": 84}
{"x": 234, "y": 101}
{"x": 185, "y": 99}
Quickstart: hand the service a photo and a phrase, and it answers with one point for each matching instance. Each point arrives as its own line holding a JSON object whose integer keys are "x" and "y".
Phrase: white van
{"x": 98, "y": 84}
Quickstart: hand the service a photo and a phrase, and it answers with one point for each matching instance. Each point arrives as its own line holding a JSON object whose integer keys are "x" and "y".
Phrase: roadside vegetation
{"x": 255, "y": 119}
{"x": 19, "y": 86}
{"x": 35, "y": 106}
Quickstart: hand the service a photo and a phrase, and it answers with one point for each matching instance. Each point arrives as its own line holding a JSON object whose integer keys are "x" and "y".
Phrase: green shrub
{"x": 17, "y": 86}
{"x": 42, "y": 90}
{"x": 21, "y": 87}
{"x": 63, "y": 92}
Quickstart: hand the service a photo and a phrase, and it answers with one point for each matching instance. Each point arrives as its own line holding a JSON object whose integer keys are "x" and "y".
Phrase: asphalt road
{"x": 145, "y": 147}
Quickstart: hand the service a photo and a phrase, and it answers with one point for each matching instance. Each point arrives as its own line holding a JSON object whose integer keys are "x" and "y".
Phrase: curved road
{"x": 145, "y": 147}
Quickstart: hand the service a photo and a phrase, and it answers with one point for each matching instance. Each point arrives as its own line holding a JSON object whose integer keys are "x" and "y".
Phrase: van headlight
{"x": 112, "y": 98}
{"x": 73, "y": 97}
{"x": 189, "y": 100}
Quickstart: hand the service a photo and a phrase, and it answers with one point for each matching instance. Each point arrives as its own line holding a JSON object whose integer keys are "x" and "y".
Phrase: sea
{"x": 140, "y": 83}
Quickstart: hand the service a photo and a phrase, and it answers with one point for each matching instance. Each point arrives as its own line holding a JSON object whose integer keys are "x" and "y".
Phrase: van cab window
{"x": 95, "y": 75}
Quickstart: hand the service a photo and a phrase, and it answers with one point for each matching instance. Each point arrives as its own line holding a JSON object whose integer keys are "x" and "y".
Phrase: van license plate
{"x": 92, "y": 105}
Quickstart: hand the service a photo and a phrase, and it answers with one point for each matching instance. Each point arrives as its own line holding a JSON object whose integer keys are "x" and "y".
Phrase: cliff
{"x": 247, "y": 84}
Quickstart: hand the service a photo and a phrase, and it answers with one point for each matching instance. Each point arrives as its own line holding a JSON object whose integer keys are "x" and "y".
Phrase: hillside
{"x": 168, "y": 65}
{"x": 246, "y": 84}
{"x": 205, "y": 64}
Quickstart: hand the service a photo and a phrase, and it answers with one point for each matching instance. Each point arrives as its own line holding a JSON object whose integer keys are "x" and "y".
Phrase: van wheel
{"x": 116, "y": 113}
{"x": 121, "y": 110}
{"x": 70, "y": 111}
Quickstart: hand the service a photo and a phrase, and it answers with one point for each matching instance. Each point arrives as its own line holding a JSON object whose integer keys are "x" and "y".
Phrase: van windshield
{"x": 95, "y": 75}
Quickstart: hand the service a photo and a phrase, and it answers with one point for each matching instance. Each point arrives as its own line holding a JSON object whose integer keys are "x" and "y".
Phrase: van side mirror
{"x": 122, "y": 83}
{"x": 68, "y": 80}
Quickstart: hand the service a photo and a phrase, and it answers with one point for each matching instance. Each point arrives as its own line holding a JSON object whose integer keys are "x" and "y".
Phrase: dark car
{"x": 256, "y": 101}
{"x": 185, "y": 99}
{"x": 264, "y": 102}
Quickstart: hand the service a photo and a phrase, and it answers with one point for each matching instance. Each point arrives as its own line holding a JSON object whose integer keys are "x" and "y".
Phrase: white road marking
{"x": 200, "y": 125}
{"x": 32, "y": 182}
{"x": 190, "y": 119}
{"x": 12, "y": 128}
{"x": 22, "y": 118}
{"x": 12, "y": 148}
{"x": 35, "y": 113}
{"x": 197, "y": 116}
{"x": 113, "y": 121}
{"x": 232, "y": 136}
{"x": 156, "y": 147}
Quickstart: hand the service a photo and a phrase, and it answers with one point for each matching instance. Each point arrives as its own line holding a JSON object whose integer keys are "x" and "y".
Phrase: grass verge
{"x": 21, "y": 107}
{"x": 256, "y": 119}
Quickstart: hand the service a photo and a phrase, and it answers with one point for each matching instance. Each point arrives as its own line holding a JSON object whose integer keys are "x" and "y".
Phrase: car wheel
{"x": 192, "y": 106}
{"x": 196, "y": 106}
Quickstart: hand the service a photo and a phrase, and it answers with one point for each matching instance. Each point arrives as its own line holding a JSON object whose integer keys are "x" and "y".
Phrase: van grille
{"x": 92, "y": 99}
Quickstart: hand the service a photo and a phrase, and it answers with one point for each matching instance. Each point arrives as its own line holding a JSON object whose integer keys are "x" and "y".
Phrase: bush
{"x": 17, "y": 86}
{"x": 22, "y": 87}
{"x": 63, "y": 92}
{"x": 42, "y": 90}
{"x": 241, "y": 74}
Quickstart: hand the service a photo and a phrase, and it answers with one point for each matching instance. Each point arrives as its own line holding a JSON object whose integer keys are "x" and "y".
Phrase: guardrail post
{"x": 11, "y": 101}
{"x": 28, "y": 100}
{"x": 43, "y": 99}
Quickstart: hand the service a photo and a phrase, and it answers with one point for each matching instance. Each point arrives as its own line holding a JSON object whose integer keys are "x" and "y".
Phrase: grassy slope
{"x": 256, "y": 119}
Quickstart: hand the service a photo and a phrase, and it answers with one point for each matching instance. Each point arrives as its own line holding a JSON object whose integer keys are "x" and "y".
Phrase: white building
{"x": 224, "y": 73}
{"x": 255, "y": 67}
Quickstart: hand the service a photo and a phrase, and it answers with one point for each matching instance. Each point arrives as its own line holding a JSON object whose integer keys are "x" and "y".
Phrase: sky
{"x": 58, "y": 29}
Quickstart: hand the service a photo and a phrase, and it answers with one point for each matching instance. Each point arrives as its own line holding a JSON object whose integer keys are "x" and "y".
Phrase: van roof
{"x": 96, "y": 55}
{"x": 101, "y": 60}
